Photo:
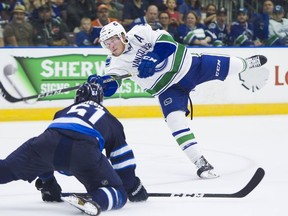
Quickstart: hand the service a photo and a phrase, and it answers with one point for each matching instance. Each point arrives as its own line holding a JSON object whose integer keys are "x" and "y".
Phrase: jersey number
{"x": 82, "y": 109}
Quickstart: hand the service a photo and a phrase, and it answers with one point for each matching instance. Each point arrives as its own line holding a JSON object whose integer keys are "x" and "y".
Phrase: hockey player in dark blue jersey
{"x": 72, "y": 145}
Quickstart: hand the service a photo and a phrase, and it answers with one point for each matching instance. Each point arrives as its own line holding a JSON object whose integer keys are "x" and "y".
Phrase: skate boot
{"x": 205, "y": 170}
{"x": 255, "y": 76}
{"x": 256, "y": 61}
{"x": 87, "y": 206}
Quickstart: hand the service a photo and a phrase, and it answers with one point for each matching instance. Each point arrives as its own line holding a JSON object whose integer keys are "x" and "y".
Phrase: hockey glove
{"x": 148, "y": 64}
{"x": 50, "y": 190}
{"x": 109, "y": 87}
{"x": 138, "y": 192}
{"x": 254, "y": 79}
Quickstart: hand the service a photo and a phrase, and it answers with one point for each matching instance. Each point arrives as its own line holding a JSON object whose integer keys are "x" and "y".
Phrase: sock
{"x": 177, "y": 123}
{"x": 109, "y": 198}
{"x": 237, "y": 65}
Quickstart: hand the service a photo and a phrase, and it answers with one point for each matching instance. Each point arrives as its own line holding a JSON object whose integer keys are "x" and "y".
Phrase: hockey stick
{"x": 12, "y": 99}
{"x": 254, "y": 181}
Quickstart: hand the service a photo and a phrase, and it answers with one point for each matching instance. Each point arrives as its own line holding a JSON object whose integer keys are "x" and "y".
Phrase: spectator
{"x": 79, "y": 9}
{"x": 115, "y": 8}
{"x": 2, "y": 25}
{"x": 192, "y": 32}
{"x": 47, "y": 30}
{"x": 164, "y": 20}
{"x": 5, "y": 10}
{"x": 260, "y": 21}
{"x": 87, "y": 36}
{"x": 1, "y": 37}
{"x": 278, "y": 28}
{"x": 161, "y": 4}
{"x": 241, "y": 33}
{"x": 150, "y": 17}
{"x": 59, "y": 8}
{"x": 218, "y": 29}
{"x": 103, "y": 16}
{"x": 19, "y": 31}
{"x": 190, "y": 5}
{"x": 97, "y": 24}
{"x": 210, "y": 14}
{"x": 132, "y": 10}
{"x": 173, "y": 14}
{"x": 32, "y": 7}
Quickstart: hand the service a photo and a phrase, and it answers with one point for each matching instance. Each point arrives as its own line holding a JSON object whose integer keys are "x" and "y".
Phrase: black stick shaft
{"x": 12, "y": 99}
{"x": 250, "y": 186}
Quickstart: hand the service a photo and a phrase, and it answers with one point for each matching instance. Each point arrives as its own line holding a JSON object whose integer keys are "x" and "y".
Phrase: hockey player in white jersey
{"x": 167, "y": 70}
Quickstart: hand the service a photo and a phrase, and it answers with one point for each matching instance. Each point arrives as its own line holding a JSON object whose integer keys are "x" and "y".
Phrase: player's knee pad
{"x": 176, "y": 120}
{"x": 110, "y": 197}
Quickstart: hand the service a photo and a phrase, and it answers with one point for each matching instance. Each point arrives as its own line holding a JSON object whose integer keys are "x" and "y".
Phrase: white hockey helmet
{"x": 112, "y": 29}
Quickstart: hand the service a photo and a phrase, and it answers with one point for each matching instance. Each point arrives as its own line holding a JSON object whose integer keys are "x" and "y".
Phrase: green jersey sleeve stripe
{"x": 168, "y": 77}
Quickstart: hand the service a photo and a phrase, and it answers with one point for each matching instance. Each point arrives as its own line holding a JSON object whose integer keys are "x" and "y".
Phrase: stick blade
{"x": 250, "y": 186}
{"x": 8, "y": 96}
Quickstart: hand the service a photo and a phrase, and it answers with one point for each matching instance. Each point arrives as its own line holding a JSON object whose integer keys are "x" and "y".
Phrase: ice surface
{"x": 235, "y": 146}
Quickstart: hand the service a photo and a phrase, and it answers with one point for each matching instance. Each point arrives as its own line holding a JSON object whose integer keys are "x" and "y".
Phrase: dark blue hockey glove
{"x": 109, "y": 88}
{"x": 138, "y": 193}
{"x": 148, "y": 64}
{"x": 50, "y": 190}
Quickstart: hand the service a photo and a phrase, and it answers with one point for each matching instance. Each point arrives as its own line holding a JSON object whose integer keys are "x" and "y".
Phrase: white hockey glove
{"x": 254, "y": 79}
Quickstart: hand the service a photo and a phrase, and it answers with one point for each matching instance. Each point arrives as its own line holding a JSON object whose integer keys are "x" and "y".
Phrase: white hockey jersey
{"x": 142, "y": 39}
{"x": 278, "y": 28}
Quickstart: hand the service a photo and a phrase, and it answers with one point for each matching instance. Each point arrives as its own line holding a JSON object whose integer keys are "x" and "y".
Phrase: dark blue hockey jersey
{"x": 217, "y": 33}
{"x": 241, "y": 34}
{"x": 95, "y": 120}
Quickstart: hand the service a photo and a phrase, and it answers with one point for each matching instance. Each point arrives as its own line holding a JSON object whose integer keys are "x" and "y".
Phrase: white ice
{"x": 236, "y": 146}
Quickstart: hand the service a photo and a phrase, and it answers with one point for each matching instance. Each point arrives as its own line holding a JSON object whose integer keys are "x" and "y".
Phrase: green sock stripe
{"x": 185, "y": 138}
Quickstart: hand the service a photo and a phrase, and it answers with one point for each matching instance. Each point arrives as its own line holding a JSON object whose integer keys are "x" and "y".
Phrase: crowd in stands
{"x": 78, "y": 22}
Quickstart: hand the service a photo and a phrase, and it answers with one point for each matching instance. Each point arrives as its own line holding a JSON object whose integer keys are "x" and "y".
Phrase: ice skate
{"x": 256, "y": 61}
{"x": 87, "y": 206}
{"x": 205, "y": 170}
{"x": 255, "y": 76}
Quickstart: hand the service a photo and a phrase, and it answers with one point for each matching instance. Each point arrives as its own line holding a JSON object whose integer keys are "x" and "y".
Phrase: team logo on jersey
{"x": 212, "y": 26}
{"x": 108, "y": 61}
{"x": 105, "y": 182}
{"x": 168, "y": 101}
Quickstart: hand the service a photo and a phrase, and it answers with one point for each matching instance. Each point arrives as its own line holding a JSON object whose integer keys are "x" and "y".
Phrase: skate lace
{"x": 201, "y": 162}
{"x": 253, "y": 62}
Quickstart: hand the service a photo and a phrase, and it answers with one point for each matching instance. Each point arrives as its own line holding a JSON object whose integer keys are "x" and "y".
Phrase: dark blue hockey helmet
{"x": 89, "y": 91}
